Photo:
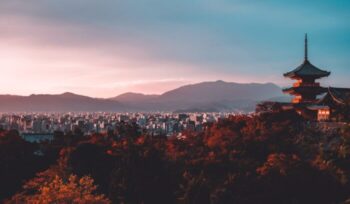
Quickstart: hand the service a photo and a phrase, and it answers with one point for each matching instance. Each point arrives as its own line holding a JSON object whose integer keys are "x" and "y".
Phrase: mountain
{"x": 133, "y": 97}
{"x": 61, "y": 103}
{"x": 205, "y": 97}
{"x": 220, "y": 90}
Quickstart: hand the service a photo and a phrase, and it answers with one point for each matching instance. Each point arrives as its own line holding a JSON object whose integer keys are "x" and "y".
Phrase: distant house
{"x": 37, "y": 138}
{"x": 334, "y": 105}
{"x": 338, "y": 102}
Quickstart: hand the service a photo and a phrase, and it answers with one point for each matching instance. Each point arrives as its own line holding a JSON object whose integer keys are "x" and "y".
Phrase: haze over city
{"x": 102, "y": 49}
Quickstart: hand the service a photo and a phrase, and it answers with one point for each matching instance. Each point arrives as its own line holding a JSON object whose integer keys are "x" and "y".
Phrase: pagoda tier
{"x": 306, "y": 89}
{"x": 307, "y": 71}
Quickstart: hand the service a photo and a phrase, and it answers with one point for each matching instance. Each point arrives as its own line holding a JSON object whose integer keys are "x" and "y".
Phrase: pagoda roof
{"x": 338, "y": 95}
{"x": 305, "y": 89}
{"x": 307, "y": 70}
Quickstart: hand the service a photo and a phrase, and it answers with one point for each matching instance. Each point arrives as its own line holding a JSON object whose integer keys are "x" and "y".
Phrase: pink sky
{"x": 39, "y": 57}
{"x": 105, "y": 48}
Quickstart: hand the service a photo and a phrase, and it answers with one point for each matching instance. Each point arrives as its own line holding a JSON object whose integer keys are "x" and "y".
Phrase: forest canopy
{"x": 267, "y": 158}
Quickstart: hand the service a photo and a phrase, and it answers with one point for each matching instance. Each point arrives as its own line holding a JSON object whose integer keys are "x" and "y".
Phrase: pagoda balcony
{"x": 302, "y": 100}
{"x": 306, "y": 84}
{"x": 296, "y": 100}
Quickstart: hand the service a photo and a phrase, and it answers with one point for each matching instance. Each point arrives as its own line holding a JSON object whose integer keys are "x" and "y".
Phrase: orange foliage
{"x": 74, "y": 190}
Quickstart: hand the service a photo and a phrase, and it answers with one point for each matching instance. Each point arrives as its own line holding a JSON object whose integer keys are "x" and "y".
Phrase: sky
{"x": 105, "y": 48}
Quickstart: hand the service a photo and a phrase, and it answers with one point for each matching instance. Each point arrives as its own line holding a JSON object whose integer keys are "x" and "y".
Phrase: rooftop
{"x": 306, "y": 69}
{"x": 339, "y": 95}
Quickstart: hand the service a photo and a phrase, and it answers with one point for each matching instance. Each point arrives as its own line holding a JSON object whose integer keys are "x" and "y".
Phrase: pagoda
{"x": 305, "y": 90}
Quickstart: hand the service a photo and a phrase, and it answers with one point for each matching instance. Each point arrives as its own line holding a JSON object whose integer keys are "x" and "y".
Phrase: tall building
{"x": 306, "y": 89}
{"x": 333, "y": 105}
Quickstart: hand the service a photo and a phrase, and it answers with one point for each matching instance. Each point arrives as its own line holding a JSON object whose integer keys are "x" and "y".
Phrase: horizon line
{"x": 146, "y": 94}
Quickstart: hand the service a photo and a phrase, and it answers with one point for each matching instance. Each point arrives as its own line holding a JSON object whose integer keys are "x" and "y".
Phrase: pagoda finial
{"x": 306, "y": 54}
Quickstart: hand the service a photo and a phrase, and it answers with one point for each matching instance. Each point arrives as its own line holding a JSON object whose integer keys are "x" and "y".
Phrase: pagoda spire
{"x": 306, "y": 54}
{"x": 306, "y": 89}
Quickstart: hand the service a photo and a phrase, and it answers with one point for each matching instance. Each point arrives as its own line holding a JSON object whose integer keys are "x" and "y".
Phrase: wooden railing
{"x": 299, "y": 100}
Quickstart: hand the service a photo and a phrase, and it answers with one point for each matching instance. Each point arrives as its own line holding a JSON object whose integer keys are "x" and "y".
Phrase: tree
{"x": 73, "y": 190}
{"x": 18, "y": 162}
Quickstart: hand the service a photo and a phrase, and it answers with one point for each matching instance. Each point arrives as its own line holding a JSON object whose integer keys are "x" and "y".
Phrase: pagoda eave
{"x": 303, "y": 90}
{"x": 294, "y": 75}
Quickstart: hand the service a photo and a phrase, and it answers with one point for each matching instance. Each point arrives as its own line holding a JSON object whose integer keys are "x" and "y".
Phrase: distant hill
{"x": 61, "y": 102}
{"x": 133, "y": 97}
{"x": 205, "y": 96}
{"x": 220, "y": 91}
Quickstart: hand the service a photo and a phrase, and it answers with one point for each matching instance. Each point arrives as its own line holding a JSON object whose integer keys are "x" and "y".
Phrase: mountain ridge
{"x": 211, "y": 95}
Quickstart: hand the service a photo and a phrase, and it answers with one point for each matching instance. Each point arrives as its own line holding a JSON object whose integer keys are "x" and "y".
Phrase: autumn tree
{"x": 73, "y": 190}
{"x": 19, "y": 161}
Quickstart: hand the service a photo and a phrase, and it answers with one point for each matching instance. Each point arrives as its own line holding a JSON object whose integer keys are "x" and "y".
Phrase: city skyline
{"x": 103, "y": 49}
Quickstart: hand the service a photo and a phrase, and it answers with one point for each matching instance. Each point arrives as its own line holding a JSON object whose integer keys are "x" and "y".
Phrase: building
{"x": 306, "y": 89}
{"x": 311, "y": 100}
{"x": 338, "y": 102}
{"x": 37, "y": 137}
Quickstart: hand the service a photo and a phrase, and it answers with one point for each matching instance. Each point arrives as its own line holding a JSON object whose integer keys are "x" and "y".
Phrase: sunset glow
{"x": 47, "y": 48}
